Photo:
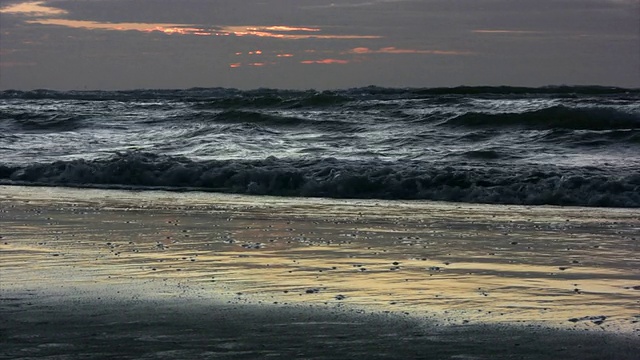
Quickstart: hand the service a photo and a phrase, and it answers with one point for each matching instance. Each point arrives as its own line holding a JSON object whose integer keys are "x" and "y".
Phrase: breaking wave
{"x": 42, "y": 121}
{"x": 251, "y": 117}
{"x": 330, "y": 177}
{"x": 556, "y": 117}
{"x": 278, "y": 99}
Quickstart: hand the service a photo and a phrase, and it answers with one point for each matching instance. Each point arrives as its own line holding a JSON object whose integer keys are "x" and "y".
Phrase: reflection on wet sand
{"x": 456, "y": 263}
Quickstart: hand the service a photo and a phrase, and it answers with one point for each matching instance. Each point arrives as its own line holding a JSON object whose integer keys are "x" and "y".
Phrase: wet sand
{"x": 106, "y": 273}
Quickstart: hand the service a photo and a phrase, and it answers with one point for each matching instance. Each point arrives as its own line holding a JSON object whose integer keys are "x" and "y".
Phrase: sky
{"x": 317, "y": 44}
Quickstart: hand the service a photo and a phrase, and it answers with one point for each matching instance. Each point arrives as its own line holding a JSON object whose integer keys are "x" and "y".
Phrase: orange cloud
{"x": 168, "y": 29}
{"x": 255, "y": 64}
{"x": 360, "y": 50}
{"x": 284, "y": 32}
{"x": 32, "y": 8}
{"x": 325, "y": 61}
{"x": 394, "y": 50}
{"x": 289, "y": 28}
{"x": 278, "y": 31}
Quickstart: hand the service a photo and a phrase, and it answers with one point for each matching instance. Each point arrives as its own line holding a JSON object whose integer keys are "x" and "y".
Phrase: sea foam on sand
{"x": 180, "y": 275}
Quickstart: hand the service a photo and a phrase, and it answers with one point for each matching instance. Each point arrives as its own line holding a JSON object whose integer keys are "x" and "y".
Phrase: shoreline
{"x": 471, "y": 271}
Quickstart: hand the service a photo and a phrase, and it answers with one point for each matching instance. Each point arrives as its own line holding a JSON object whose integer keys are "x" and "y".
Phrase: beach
{"x": 89, "y": 273}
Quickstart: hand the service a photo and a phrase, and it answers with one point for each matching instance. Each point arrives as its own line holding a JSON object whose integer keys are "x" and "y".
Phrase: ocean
{"x": 564, "y": 145}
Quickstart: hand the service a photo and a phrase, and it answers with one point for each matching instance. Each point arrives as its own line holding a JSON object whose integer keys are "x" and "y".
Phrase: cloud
{"x": 506, "y": 32}
{"x": 325, "y": 61}
{"x": 48, "y": 15}
{"x": 33, "y": 9}
{"x": 275, "y": 31}
{"x": 394, "y": 50}
{"x": 142, "y": 27}
{"x": 285, "y": 32}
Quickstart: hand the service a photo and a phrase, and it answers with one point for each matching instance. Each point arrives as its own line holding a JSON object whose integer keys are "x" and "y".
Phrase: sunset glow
{"x": 46, "y": 15}
{"x": 32, "y": 8}
{"x": 285, "y": 32}
{"x": 277, "y": 32}
{"x": 169, "y": 29}
{"x": 289, "y": 28}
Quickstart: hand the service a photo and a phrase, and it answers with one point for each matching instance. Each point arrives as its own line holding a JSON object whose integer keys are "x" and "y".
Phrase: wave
{"x": 518, "y": 90}
{"x": 330, "y": 177}
{"x": 43, "y": 121}
{"x": 194, "y": 94}
{"x": 276, "y": 100}
{"x": 488, "y": 154}
{"x": 592, "y": 139}
{"x": 555, "y": 117}
{"x": 218, "y": 98}
{"x": 273, "y": 120}
{"x": 240, "y": 116}
{"x": 235, "y": 97}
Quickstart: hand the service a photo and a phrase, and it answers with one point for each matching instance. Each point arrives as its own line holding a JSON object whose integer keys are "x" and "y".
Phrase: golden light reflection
{"x": 475, "y": 262}
{"x": 32, "y": 8}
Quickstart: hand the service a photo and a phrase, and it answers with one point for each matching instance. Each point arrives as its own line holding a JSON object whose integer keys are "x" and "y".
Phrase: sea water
{"x": 552, "y": 145}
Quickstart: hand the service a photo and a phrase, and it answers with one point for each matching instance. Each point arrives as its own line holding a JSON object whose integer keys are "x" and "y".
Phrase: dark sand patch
{"x": 34, "y": 325}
